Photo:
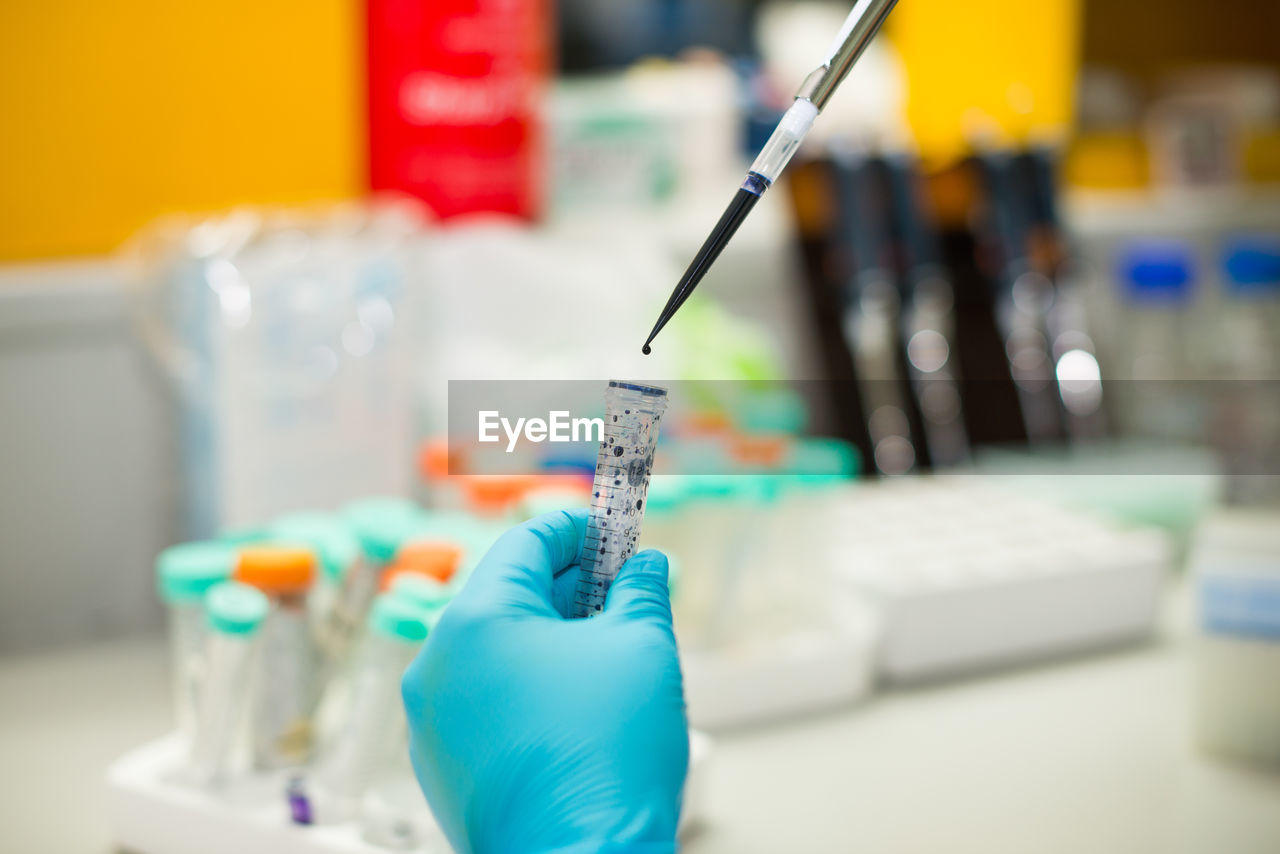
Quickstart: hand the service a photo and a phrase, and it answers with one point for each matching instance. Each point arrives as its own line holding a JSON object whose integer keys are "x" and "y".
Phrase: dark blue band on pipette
{"x": 643, "y": 389}
{"x": 756, "y": 184}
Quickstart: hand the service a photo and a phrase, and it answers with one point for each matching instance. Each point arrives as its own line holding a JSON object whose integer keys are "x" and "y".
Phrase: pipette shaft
{"x": 859, "y": 28}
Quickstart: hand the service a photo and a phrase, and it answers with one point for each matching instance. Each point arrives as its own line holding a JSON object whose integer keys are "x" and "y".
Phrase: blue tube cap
{"x": 184, "y": 573}
{"x": 235, "y": 609}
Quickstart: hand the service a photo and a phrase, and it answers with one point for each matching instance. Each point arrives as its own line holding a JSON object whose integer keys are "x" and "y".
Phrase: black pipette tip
{"x": 732, "y": 217}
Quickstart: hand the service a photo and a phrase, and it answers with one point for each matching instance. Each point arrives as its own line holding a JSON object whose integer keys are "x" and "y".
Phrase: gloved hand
{"x": 531, "y": 732}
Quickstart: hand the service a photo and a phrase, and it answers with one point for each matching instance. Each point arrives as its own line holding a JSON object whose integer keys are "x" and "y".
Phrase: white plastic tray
{"x": 826, "y": 666}
{"x": 151, "y": 814}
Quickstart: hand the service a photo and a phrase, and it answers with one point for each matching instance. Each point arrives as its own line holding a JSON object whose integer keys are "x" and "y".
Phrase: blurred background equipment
{"x": 285, "y": 340}
{"x": 1238, "y": 591}
{"x": 455, "y": 101}
{"x": 985, "y": 401}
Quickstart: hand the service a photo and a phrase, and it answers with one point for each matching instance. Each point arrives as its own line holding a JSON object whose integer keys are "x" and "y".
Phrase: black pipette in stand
{"x": 816, "y": 90}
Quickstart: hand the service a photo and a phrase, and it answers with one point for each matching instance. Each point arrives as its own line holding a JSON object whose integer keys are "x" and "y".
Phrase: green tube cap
{"x": 771, "y": 410}
{"x": 185, "y": 573}
{"x": 820, "y": 460}
{"x": 421, "y": 591}
{"x": 381, "y": 525}
{"x": 395, "y": 617}
{"x": 235, "y": 609}
{"x": 328, "y": 535}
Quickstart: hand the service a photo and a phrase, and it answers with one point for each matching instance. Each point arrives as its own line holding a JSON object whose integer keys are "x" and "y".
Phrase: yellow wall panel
{"x": 1001, "y": 67}
{"x": 116, "y": 112}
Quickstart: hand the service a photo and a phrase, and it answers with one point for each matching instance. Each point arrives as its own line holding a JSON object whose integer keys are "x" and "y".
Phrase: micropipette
{"x": 632, "y": 416}
{"x": 814, "y": 93}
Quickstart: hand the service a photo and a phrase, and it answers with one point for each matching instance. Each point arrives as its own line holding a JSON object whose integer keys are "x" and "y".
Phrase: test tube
{"x": 633, "y": 413}
{"x": 287, "y": 687}
{"x": 184, "y": 574}
{"x": 338, "y": 552}
{"x": 393, "y": 812}
{"x": 431, "y": 565}
{"x": 373, "y": 720}
{"x": 381, "y": 526}
{"x": 234, "y": 613}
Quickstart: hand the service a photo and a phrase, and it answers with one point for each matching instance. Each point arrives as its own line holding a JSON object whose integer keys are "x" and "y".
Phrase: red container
{"x": 456, "y": 90}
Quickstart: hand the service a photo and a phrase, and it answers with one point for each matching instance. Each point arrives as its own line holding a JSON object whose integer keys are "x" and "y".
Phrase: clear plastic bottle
{"x": 373, "y": 721}
{"x": 1158, "y": 280}
{"x": 234, "y": 614}
{"x": 1251, "y": 274}
{"x": 287, "y": 687}
{"x": 184, "y": 574}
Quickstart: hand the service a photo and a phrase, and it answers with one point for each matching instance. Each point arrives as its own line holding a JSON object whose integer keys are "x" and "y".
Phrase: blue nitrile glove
{"x": 531, "y": 732}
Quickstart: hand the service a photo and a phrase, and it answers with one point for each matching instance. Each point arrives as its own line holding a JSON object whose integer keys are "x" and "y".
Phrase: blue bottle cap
{"x": 1251, "y": 266}
{"x": 1157, "y": 272}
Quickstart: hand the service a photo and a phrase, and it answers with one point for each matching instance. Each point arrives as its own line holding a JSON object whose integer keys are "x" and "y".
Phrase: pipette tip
{"x": 733, "y": 216}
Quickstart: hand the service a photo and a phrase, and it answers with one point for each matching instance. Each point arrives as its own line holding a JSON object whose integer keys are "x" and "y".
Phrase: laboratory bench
{"x": 1090, "y": 754}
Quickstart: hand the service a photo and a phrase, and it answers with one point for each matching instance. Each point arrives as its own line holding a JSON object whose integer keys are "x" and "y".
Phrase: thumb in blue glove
{"x": 531, "y": 732}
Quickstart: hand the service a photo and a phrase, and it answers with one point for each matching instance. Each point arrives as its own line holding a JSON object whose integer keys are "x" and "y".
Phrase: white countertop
{"x": 1088, "y": 755}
